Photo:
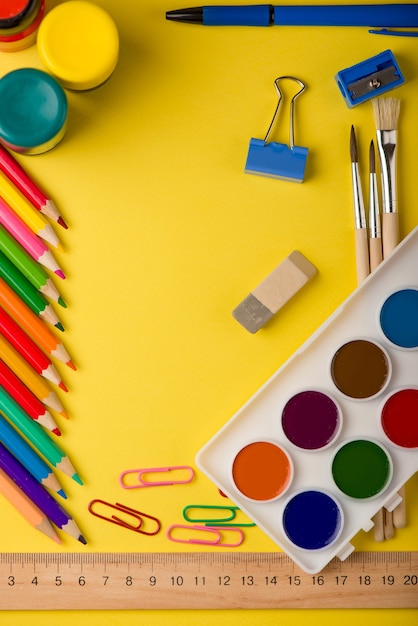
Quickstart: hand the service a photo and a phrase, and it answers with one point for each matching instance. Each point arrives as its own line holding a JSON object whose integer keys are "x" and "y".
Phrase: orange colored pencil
{"x": 24, "y": 505}
{"x": 32, "y": 324}
{"x": 38, "y": 385}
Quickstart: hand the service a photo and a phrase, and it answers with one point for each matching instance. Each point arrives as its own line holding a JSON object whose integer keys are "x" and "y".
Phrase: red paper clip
{"x": 137, "y": 515}
{"x": 157, "y": 483}
{"x": 215, "y": 532}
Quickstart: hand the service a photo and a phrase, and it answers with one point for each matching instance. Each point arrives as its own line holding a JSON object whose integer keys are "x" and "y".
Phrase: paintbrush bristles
{"x": 386, "y": 113}
{"x": 372, "y": 159}
{"x": 353, "y": 146}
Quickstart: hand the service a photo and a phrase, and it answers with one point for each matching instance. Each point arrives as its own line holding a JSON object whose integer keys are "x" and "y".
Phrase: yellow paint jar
{"x": 78, "y": 43}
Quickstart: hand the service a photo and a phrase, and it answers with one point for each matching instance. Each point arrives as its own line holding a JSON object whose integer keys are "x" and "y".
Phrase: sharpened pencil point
{"x": 71, "y": 365}
{"x": 62, "y": 386}
{"x": 62, "y": 493}
{"x": 82, "y": 540}
{"x": 61, "y": 222}
{"x": 77, "y": 479}
{"x": 59, "y": 326}
{"x": 61, "y": 302}
{"x": 57, "y": 432}
{"x": 60, "y": 273}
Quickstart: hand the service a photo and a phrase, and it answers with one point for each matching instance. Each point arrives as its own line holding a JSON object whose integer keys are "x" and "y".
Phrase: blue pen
{"x": 371, "y": 15}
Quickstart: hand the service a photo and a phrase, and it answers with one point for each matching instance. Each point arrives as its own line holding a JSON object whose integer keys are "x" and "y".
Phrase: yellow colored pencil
{"x": 29, "y": 377}
{"x": 26, "y": 211}
{"x": 24, "y": 505}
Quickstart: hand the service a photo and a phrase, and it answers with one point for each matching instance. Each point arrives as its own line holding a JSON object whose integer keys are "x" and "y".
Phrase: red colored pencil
{"x": 15, "y": 172}
{"x": 26, "y": 399}
{"x": 28, "y": 349}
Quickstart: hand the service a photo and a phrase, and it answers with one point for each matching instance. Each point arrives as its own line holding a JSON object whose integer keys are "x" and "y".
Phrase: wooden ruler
{"x": 204, "y": 580}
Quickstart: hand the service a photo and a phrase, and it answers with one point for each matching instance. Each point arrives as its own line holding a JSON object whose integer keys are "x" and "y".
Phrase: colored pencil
{"x": 28, "y": 349}
{"x": 32, "y": 324}
{"x": 26, "y": 399}
{"x": 15, "y": 172}
{"x": 37, "y": 384}
{"x": 15, "y": 443}
{"x": 33, "y": 245}
{"x": 24, "y": 505}
{"x": 27, "y": 292}
{"x": 54, "y": 511}
{"x": 34, "y": 272}
{"x": 38, "y": 437}
{"x": 32, "y": 218}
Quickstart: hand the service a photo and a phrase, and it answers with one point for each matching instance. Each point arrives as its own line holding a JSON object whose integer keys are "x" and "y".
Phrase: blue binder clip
{"x": 278, "y": 160}
{"x": 369, "y": 79}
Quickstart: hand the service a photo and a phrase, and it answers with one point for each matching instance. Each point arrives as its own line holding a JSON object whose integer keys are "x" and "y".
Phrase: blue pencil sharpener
{"x": 369, "y": 79}
{"x": 278, "y": 160}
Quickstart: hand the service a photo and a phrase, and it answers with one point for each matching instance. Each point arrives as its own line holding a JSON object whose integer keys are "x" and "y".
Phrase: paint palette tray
{"x": 333, "y": 434}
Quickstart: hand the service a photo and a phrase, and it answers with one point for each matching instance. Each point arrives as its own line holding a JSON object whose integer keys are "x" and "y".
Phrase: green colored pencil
{"x": 33, "y": 271}
{"x": 36, "y": 435}
{"x": 27, "y": 292}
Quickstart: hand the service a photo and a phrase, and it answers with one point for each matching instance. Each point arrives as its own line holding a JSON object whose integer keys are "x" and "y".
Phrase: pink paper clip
{"x": 137, "y": 515}
{"x": 215, "y": 532}
{"x": 141, "y": 482}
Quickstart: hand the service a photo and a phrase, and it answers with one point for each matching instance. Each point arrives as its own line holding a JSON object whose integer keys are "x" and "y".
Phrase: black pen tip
{"x": 193, "y": 15}
{"x": 353, "y": 146}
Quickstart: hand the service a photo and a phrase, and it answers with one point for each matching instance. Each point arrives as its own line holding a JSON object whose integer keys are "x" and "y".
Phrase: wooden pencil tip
{"x": 57, "y": 432}
{"x": 71, "y": 365}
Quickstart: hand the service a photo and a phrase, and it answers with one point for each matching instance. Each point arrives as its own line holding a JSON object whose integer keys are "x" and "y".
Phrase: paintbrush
{"x": 362, "y": 248}
{"x": 375, "y": 237}
{"x": 386, "y": 114}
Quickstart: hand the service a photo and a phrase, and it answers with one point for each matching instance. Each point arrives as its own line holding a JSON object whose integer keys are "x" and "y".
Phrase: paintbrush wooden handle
{"x": 390, "y": 232}
{"x": 399, "y": 512}
{"x": 376, "y": 252}
{"x": 362, "y": 255}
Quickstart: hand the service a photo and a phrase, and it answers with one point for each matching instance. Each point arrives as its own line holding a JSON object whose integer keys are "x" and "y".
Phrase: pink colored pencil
{"x": 15, "y": 172}
{"x": 33, "y": 245}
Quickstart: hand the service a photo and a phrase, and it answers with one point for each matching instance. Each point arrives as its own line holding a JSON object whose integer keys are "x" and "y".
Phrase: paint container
{"x": 312, "y": 520}
{"x": 361, "y": 369}
{"x": 33, "y": 111}
{"x": 78, "y": 44}
{"x": 19, "y": 22}
{"x": 398, "y": 318}
{"x": 362, "y": 468}
{"x": 399, "y": 417}
{"x": 311, "y": 420}
{"x": 349, "y": 456}
{"x": 262, "y": 471}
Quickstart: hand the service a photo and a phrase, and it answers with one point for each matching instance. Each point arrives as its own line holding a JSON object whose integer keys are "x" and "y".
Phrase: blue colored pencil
{"x": 38, "y": 494}
{"x": 28, "y": 457}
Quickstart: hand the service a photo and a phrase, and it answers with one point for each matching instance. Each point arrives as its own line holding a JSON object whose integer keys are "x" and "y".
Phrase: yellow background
{"x": 167, "y": 235}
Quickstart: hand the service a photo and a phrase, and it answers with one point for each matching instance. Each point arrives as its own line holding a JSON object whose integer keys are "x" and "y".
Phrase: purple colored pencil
{"x": 38, "y": 494}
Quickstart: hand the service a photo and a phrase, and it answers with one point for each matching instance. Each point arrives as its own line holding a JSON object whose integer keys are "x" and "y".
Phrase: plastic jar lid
{"x": 33, "y": 111}
{"x": 19, "y": 23}
{"x": 17, "y": 14}
{"x": 79, "y": 44}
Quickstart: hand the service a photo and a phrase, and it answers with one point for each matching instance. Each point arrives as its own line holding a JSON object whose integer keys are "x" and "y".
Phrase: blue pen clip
{"x": 394, "y": 33}
{"x": 278, "y": 160}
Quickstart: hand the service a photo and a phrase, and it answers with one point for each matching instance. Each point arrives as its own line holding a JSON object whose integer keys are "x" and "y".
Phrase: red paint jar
{"x": 19, "y": 21}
